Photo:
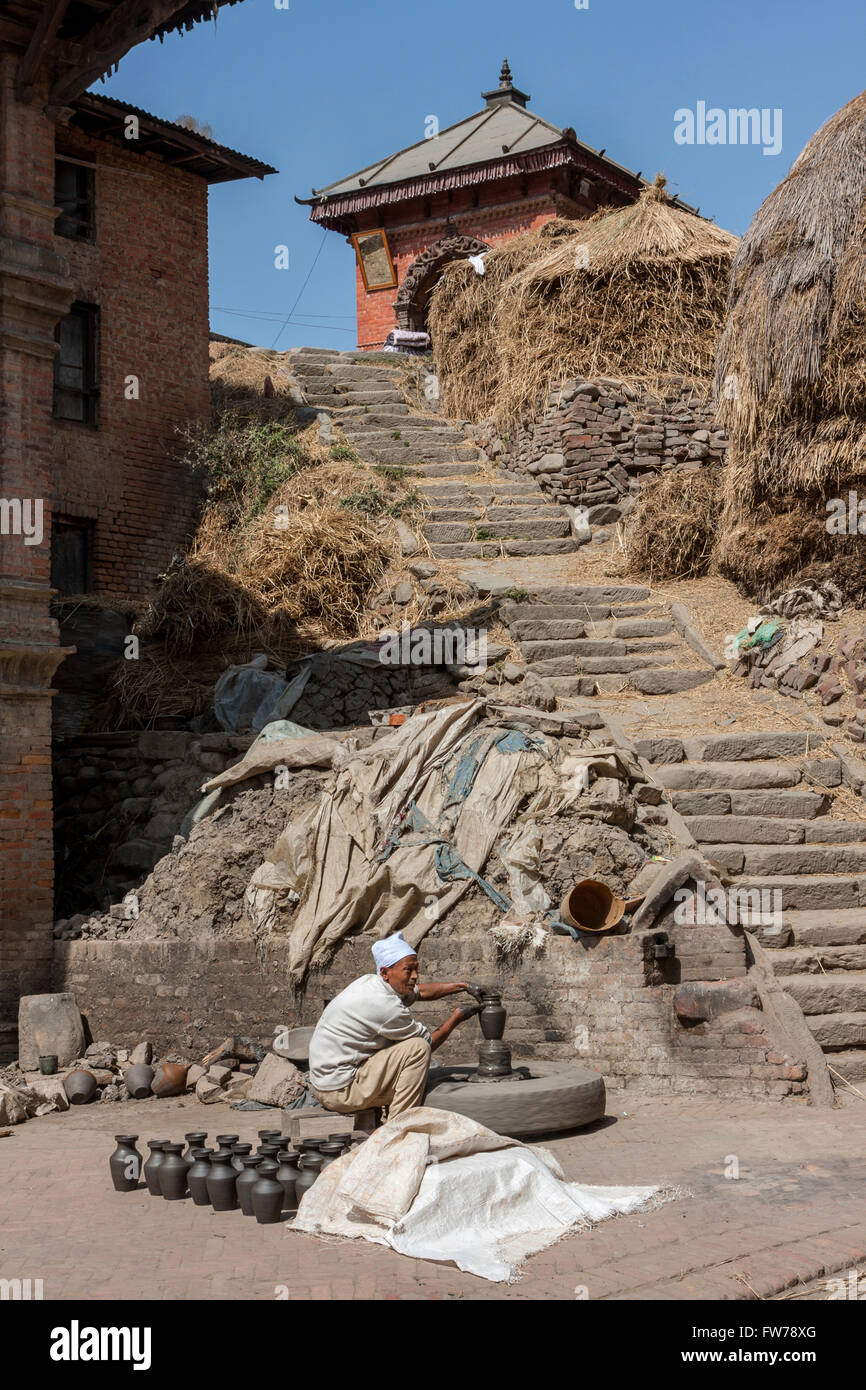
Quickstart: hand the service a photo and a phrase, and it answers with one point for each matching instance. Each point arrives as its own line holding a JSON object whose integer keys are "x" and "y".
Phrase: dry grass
{"x": 674, "y": 527}
{"x": 637, "y": 294}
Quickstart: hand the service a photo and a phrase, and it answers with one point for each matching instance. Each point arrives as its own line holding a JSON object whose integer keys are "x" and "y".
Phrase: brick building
{"x": 501, "y": 171}
{"x": 103, "y": 355}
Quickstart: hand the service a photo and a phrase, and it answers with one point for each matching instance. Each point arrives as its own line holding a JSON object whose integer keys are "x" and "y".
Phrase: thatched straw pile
{"x": 637, "y": 294}
{"x": 673, "y": 529}
{"x": 791, "y": 369}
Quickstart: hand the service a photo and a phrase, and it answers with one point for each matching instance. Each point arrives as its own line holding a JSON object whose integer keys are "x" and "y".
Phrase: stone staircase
{"x": 760, "y": 806}
{"x": 467, "y": 518}
{"x": 589, "y": 639}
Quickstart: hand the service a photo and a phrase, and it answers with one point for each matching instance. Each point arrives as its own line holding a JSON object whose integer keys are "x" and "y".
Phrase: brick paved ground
{"x": 797, "y": 1209}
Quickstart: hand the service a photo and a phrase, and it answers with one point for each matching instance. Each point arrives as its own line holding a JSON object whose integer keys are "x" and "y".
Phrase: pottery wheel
{"x": 554, "y": 1096}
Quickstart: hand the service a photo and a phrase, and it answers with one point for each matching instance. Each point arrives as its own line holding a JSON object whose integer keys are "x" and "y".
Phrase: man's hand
{"x": 464, "y": 1011}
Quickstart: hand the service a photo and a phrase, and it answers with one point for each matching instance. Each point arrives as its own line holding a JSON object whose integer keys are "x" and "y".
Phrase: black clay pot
{"x": 311, "y": 1146}
{"x": 153, "y": 1164}
{"x": 197, "y": 1176}
{"x": 344, "y": 1140}
{"x": 221, "y": 1182}
{"x": 267, "y": 1193}
{"x": 240, "y": 1151}
{"x": 80, "y": 1087}
{"x": 359, "y": 1138}
{"x": 125, "y": 1163}
{"x": 330, "y": 1152}
{"x": 194, "y": 1141}
{"x": 246, "y": 1179}
{"x": 225, "y": 1142}
{"x": 287, "y": 1174}
{"x": 139, "y": 1079}
{"x": 492, "y": 1017}
{"x": 268, "y": 1150}
{"x": 268, "y": 1136}
{"x": 173, "y": 1173}
{"x": 310, "y": 1166}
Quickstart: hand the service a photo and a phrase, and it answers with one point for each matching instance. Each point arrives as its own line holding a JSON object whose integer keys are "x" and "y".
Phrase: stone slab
{"x": 49, "y": 1024}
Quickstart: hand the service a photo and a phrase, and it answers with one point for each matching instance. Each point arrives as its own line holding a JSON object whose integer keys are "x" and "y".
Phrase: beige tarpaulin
{"x": 437, "y": 792}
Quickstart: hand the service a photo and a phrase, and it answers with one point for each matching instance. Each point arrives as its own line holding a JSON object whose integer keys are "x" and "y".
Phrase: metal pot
{"x": 48, "y": 1064}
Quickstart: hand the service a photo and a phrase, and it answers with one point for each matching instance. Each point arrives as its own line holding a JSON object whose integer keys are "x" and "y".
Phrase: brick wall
{"x": 607, "y": 1006}
{"x": 147, "y": 272}
{"x": 491, "y": 212}
{"x": 598, "y": 439}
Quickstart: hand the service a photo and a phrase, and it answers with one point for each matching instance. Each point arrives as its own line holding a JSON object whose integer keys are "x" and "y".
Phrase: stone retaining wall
{"x": 608, "y": 1003}
{"x": 597, "y": 440}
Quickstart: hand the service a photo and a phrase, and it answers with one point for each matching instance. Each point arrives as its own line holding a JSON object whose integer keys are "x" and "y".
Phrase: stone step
{"x": 406, "y": 455}
{"x": 348, "y": 375}
{"x": 850, "y": 1063}
{"x": 445, "y": 514}
{"x": 811, "y": 891}
{"x": 539, "y": 528}
{"x": 447, "y": 470}
{"x": 554, "y": 666}
{"x": 838, "y": 832}
{"x": 832, "y": 927}
{"x": 591, "y": 593}
{"x": 751, "y": 746}
{"x": 814, "y": 960}
{"x": 795, "y": 805}
{"x": 840, "y": 992}
{"x": 513, "y": 611}
{"x": 400, "y": 434}
{"x": 838, "y": 1031}
{"x": 642, "y": 627}
{"x": 563, "y": 545}
{"x": 547, "y": 629}
{"x": 571, "y": 686}
{"x": 323, "y": 354}
{"x": 740, "y": 776}
{"x": 372, "y": 396}
{"x": 465, "y": 550}
{"x": 617, "y": 665}
{"x": 745, "y": 830}
{"x": 536, "y": 649}
{"x": 536, "y": 511}
{"x": 324, "y": 400}
{"x": 669, "y": 681}
{"x": 383, "y": 414}
{"x": 374, "y": 421}
{"x": 798, "y": 859}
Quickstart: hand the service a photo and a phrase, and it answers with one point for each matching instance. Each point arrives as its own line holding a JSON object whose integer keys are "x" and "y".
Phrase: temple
{"x": 499, "y": 172}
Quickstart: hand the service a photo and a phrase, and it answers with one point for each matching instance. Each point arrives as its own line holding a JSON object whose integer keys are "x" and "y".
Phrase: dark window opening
{"x": 76, "y": 372}
{"x": 71, "y": 556}
{"x": 73, "y": 192}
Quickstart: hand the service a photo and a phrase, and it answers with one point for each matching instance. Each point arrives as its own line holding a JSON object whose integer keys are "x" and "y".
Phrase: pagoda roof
{"x": 502, "y": 139}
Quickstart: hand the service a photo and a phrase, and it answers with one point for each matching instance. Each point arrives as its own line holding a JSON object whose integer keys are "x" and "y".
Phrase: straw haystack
{"x": 636, "y": 293}
{"x": 791, "y": 368}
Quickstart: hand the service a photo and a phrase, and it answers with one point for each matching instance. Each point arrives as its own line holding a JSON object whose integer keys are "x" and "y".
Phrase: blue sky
{"x": 326, "y": 86}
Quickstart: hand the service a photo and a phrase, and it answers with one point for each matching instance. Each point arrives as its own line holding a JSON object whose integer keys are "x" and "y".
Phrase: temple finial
{"x": 505, "y": 74}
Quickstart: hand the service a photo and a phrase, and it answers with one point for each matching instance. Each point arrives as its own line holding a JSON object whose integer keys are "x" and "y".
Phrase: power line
{"x": 301, "y": 291}
{"x": 276, "y": 318}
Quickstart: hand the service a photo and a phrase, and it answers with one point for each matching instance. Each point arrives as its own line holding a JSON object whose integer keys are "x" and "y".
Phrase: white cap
{"x": 392, "y": 949}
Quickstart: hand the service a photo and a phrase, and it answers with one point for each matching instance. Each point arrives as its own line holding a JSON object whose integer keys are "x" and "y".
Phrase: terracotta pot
{"x": 138, "y": 1079}
{"x": 245, "y": 1182}
{"x": 80, "y": 1087}
{"x": 591, "y": 906}
{"x": 267, "y": 1194}
{"x": 287, "y": 1174}
{"x": 197, "y": 1175}
{"x": 221, "y": 1181}
{"x": 170, "y": 1080}
{"x": 125, "y": 1163}
{"x": 153, "y": 1165}
{"x": 173, "y": 1173}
